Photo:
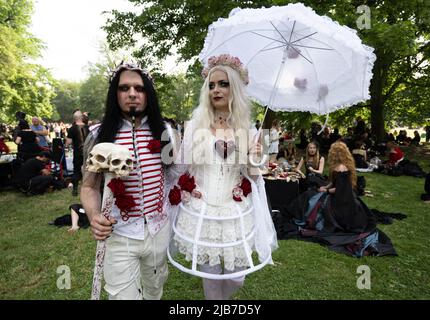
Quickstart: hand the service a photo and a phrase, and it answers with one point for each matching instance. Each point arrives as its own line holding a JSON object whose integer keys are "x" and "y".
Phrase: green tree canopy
{"x": 178, "y": 95}
{"x": 93, "y": 91}
{"x": 66, "y": 99}
{"x": 24, "y": 86}
{"x": 399, "y": 32}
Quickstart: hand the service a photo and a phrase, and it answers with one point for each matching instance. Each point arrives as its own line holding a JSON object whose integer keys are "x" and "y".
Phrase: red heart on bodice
{"x": 224, "y": 148}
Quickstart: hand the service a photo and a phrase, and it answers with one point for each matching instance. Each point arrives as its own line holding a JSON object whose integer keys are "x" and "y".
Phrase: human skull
{"x": 121, "y": 161}
{"x": 99, "y": 158}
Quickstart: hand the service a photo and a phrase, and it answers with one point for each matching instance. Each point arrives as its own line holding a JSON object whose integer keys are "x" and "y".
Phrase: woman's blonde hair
{"x": 315, "y": 158}
{"x": 238, "y": 104}
{"x": 340, "y": 154}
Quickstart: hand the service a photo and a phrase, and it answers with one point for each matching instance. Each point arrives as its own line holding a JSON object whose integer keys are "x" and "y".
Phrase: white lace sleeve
{"x": 265, "y": 232}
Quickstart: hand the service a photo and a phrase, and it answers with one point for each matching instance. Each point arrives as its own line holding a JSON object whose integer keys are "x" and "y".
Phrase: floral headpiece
{"x": 230, "y": 61}
{"x": 132, "y": 67}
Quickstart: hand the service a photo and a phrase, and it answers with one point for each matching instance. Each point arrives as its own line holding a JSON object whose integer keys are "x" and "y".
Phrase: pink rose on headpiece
{"x": 229, "y": 61}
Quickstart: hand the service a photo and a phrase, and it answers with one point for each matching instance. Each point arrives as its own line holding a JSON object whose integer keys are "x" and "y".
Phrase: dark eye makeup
{"x": 126, "y": 87}
{"x": 221, "y": 83}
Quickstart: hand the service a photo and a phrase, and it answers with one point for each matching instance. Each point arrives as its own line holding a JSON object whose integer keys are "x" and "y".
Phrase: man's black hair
{"x": 113, "y": 118}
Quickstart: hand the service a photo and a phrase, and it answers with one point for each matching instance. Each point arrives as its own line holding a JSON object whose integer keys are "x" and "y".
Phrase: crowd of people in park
{"x": 211, "y": 212}
{"x": 42, "y": 148}
{"x": 368, "y": 154}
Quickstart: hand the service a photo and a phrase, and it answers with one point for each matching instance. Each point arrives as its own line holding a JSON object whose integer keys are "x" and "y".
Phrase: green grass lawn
{"x": 32, "y": 250}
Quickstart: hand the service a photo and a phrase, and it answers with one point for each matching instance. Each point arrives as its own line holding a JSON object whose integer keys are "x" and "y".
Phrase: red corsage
{"x": 117, "y": 186}
{"x": 237, "y": 194}
{"x": 124, "y": 202}
{"x": 187, "y": 182}
{"x": 242, "y": 190}
{"x": 154, "y": 146}
{"x": 187, "y": 187}
{"x": 175, "y": 196}
{"x": 246, "y": 187}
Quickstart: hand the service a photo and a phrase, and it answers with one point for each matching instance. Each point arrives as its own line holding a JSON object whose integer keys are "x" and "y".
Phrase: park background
{"x": 32, "y": 251}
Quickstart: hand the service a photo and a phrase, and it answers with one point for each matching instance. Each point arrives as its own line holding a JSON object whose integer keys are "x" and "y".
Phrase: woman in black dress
{"x": 27, "y": 142}
{"x": 334, "y": 215}
{"x": 345, "y": 211}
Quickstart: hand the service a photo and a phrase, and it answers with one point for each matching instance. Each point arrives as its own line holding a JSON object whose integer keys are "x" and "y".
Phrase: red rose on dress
{"x": 154, "y": 146}
{"x": 117, "y": 186}
{"x": 237, "y": 194}
{"x": 187, "y": 183}
{"x": 246, "y": 187}
{"x": 125, "y": 203}
{"x": 175, "y": 196}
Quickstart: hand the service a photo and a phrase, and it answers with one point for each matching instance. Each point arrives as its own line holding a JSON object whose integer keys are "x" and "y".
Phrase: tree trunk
{"x": 377, "y": 102}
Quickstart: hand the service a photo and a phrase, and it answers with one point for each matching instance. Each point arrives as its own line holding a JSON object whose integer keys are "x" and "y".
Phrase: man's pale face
{"x": 131, "y": 92}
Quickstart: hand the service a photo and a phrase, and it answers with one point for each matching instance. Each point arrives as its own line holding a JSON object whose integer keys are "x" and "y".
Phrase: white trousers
{"x": 220, "y": 289}
{"x": 136, "y": 269}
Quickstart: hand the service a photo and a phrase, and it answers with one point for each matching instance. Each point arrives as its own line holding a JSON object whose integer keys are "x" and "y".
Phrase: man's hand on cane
{"x": 101, "y": 227}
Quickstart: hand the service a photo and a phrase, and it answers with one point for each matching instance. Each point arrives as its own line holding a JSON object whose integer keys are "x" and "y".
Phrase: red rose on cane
{"x": 122, "y": 201}
{"x": 125, "y": 203}
{"x": 246, "y": 187}
{"x": 117, "y": 186}
{"x": 154, "y": 146}
{"x": 175, "y": 196}
{"x": 187, "y": 183}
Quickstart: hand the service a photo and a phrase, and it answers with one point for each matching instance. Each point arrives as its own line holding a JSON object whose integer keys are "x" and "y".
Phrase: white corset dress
{"x": 215, "y": 228}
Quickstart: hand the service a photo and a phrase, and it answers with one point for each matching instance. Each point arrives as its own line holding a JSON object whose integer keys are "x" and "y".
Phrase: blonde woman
{"x": 219, "y": 208}
{"x": 312, "y": 161}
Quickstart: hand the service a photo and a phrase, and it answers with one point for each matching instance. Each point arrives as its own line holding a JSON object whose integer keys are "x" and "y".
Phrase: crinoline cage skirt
{"x": 207, "y": 234}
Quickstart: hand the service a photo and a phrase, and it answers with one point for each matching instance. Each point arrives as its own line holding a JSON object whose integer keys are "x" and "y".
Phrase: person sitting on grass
{"x": 395, "y": 154}
{"x": 335, "y": 216}
{"x": 314, "y": 165}
{"x": 290, "y": 152}
{"x": 312, "y": 161}
{"x": 398, "y": 165}
{"x": 360, "y": 155}
{"x": 416, "y": 140}
{"x": 3, "y": 146}
{"x": 76, "y": 219}
{"x": 34, "y": 177}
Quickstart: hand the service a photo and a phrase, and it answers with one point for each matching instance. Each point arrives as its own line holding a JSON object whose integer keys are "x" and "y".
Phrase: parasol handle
{"x": 325, "y": 124}
{"x": 263, "y": 158}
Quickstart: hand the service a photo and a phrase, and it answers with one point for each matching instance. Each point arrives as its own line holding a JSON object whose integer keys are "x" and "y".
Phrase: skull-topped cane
{"x": 113, "y": 161}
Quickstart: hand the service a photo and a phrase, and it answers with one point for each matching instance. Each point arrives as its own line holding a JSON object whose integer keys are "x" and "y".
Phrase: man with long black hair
{"x": 135, "y": 264}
